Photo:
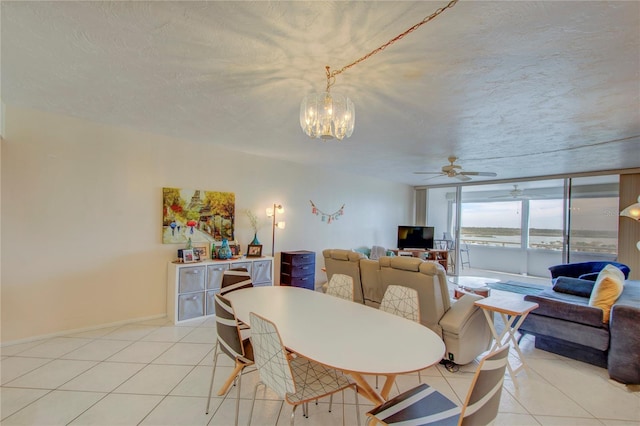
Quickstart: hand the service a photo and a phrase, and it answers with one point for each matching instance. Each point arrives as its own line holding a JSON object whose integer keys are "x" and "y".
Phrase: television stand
{"x": 440, "y": 256}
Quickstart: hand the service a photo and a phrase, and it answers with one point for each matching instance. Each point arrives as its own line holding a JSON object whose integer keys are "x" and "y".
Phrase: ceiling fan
{"x": 455, "y": 171}
{"x": 514, "y": 193}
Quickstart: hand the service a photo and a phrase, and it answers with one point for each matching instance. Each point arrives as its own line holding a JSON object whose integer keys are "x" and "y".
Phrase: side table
{"x": 510, "y": 310}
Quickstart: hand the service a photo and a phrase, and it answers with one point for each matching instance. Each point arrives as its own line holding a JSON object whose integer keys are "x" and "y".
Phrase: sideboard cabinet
{"x": 191, "y": 286}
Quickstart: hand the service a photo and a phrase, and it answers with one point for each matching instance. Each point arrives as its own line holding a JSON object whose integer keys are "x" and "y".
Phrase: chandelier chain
{"x": 331, "y": 75}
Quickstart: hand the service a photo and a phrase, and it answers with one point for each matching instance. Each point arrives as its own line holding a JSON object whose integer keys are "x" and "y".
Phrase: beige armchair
{"x": 347, "y": 262}
{"x": 461, "y": 325}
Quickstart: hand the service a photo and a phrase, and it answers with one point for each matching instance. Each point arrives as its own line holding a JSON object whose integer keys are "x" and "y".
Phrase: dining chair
{"x": 295, "y": 379}
{"x": 231, "y": 343}
{"x": 236, "y": 279}
{"x": 423, "y": 405}
{"x": 341, "y": 285}
{"x": 403, "y": 302}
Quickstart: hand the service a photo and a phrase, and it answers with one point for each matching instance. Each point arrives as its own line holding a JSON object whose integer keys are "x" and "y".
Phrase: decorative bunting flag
{"x": 326, "y": 217}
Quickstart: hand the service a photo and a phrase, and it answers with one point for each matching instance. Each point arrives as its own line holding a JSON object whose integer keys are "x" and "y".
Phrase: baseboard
{"x": 80, "y": 330}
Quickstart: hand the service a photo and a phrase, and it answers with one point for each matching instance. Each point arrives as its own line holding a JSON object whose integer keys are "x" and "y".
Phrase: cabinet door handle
{"x": 192, "y": 272}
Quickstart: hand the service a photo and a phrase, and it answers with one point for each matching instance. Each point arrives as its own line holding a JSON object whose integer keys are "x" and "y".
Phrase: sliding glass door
{"x": 525, "y": 227}
{"x": 593, "y": 218}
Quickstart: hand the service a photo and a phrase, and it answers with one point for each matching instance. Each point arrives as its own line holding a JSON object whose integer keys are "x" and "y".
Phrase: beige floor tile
{"x": 52, "y": 375}
{"x": 201, "y": 335}
{"x": 130, "y": 332}
{"x": 511, "y": 419}
{"x": 184, "y": 354}
{"x": 97, "y": 350}
{"x": 197, "y": 382}
{"x": 104, "y": 377}
{"x": 55, "y": 408}
{"x": 598, "y": 396}
{"x": 567, "y": 421}
{"x": 118, "y": 409}
{"x": 143, "y": 352}
{"x": 539, "y": 397}
{"x": 155, "y": 380}
{"x": 167, "y": 334}
{"x": 179, "y": 410}
{"x": 16, "y": 349}
{"x": 14, "y": 399}
{"x": 55, "y": 348}
{"x": 14, "y": 367}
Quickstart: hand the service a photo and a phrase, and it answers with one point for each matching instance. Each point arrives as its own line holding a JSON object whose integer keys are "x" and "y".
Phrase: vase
{"x": 255, "y": 241}
{"x": 224, "y": 252}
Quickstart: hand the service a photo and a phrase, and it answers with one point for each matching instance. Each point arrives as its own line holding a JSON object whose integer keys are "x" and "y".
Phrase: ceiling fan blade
{"x": 428, "y": 173}
{"x": 491, "y": 174}
{"x": 462, "y": 177}
{"x": 434, "y": 177}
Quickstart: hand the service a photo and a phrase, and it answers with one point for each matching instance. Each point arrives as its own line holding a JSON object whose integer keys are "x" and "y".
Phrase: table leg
{"x": 366, "y": 390}
{"x": 391, "y": 378}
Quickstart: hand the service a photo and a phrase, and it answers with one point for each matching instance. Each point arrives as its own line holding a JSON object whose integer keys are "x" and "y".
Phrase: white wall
{"x": 81, "y": 210}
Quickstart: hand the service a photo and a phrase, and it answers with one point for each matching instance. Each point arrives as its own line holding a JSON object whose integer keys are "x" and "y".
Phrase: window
{"x": 545, "y": 224}
{"x": 496, "y": 223}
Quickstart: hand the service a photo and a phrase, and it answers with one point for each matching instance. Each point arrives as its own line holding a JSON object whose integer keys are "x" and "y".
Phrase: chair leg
{"x": 255, "y": 393}
{"x": 238, "y": 397}
{"x": 355, "y": 390}
{"x": 213, "y": 374}
{"x": 419, "y": 377}
{"x": 231, "y": 379}
{"x": 330, "y": 401}
{"x": 293, "y": 415}
{"x": 376, "y": 382}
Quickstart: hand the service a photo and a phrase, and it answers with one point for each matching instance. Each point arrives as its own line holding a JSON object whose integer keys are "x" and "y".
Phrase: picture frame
{"x": 201, "y": 251}
{"x": 254, "y": 250}
{"x": 187, "y": 256}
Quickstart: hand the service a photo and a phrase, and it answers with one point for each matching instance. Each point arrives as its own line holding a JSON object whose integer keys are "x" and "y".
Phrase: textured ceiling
{"x": 520, "y": 88}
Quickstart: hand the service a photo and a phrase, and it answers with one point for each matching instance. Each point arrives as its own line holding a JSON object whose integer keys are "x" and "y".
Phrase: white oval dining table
{"x": 345, "y": 335}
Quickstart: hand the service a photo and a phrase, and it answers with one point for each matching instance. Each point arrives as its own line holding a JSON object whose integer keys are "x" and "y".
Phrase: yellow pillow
{"x": 606, "y": 290}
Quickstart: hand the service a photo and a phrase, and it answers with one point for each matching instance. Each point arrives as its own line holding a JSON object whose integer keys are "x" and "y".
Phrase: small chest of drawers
{"x": 298, "y": 269}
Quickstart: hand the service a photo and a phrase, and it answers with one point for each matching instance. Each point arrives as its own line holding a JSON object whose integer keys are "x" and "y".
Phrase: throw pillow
{"x": 575, "y": 286}
{"x": 606, "y": 290}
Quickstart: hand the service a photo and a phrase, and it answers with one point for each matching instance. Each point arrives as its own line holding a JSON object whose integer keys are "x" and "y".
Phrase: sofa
{"x": 584, "y": 270}
{"x": 565, "y": 324}
{"x": 461, "y": 325}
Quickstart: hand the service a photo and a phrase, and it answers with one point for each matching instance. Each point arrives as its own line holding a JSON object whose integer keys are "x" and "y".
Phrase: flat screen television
{"x": 415, "y": 237}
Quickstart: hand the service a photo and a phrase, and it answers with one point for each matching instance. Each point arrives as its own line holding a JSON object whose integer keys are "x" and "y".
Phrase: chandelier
{"x": 332, "y": 116}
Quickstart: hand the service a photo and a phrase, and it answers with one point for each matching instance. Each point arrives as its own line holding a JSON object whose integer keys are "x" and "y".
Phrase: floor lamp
{"x": 272, "y": 212}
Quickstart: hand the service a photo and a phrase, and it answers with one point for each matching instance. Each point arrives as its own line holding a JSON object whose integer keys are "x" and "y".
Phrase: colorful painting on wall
{"x": 202, "y": 216}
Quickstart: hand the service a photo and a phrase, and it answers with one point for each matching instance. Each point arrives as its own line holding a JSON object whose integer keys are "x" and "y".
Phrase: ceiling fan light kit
{"x": 332, "y": 116}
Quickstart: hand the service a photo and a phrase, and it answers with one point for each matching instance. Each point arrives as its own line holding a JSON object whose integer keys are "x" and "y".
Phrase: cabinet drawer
{"x": 304, "y": 282}
{"x": 190, "y": 306}
{"x": 245, "y": 265}
{"x": 214, "y": 275}
{"x": 298, "y": 270}
{"x": 210, "y": 307}
{"x": 261, "y": 273}
{"x": 298, "y": 257}
{"x": 191, "y": 279}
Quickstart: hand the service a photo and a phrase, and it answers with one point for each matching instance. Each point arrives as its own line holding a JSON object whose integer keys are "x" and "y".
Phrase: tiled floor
{"x": 154, "y": 373}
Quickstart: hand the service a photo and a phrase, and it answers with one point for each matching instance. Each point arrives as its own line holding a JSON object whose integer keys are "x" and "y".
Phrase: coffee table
{"x": 474, "y": 285}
